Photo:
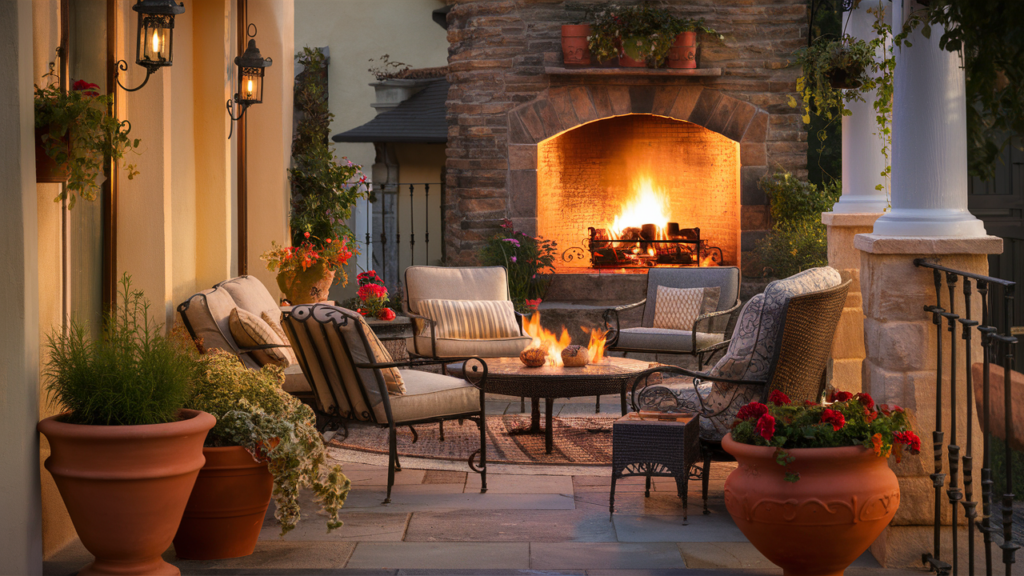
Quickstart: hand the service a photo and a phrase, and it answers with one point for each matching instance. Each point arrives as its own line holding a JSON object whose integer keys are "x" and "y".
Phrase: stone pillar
{"x": 848, "y": 347}
{"x": 929, "y": 143}
{"x": 863, "y": 161}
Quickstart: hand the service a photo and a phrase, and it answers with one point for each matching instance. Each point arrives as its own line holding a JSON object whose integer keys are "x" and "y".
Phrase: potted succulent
{"x": 826, "y": 466}
{"x": 75, "y": 135}
{"x": 264, "y": 442}
{"x": 575, "y": 44}
{"x": 683, "y": 52}
{"x": 373, "y": 297}
{"x": 124, "y": 453}
{"x": 305, "y": 273}
{"x": 639, "y": 35}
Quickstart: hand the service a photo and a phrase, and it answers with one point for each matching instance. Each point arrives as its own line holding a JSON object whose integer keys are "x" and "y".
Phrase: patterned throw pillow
{"x": 250, "y": 331}
{"x": 470, "y": 319}
{"x": 678, "y": 308}
{"x": 275, "y": 325}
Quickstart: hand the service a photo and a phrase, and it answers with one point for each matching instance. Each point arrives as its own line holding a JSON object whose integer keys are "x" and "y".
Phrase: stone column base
{"x": 900, "y": 369}
{"x": 903, "y": 546}
{"x": 848, "y": 347}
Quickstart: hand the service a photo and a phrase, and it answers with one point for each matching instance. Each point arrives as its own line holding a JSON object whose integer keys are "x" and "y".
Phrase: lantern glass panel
{"x": 250, "y": 88}
{"x": 155, "y": 37}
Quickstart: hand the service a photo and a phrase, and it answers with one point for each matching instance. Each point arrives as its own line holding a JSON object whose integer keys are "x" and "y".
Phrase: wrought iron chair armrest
{"x": 613, "y": 313}
{"x": 433, "y": 362}
{"x": 707, "y": 318}
{"x": 415, "y": 341}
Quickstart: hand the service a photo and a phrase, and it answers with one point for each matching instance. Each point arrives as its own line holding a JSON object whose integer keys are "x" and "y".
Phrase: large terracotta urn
{"x": 310, "y": 286}
{"x": 225, "y": 513}
{"x": 125, "y": 487}
{"x": 820, "y": 524}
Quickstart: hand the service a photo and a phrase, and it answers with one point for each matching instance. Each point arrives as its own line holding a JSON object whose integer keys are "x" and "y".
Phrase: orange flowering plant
{"x": 329, "y": 253}
{"x": 846, "y": 420}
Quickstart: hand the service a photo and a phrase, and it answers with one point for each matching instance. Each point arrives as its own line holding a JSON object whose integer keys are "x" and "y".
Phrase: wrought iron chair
{"x": 353, "y": 378}
{"x": 710, "y": 331}
{"x": 783, "y": 342}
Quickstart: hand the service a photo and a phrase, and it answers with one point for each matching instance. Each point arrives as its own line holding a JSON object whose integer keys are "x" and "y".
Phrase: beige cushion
{"x": 457, "y": 348}
{"x": 249, "y": 293}
{"x": 250, "y": 331}
{"x": 295, "y": 381}
{"x": 392, "y": 377}
{"x": 665, "y": 340}
{"x": 470, "y": 319}
{"x": 431, "y": 395}
{"x": 274, "y": 321}
{"x": 678, "y": 308}
{"x": 206, "y": 314}
{"x": 444, "y": 283}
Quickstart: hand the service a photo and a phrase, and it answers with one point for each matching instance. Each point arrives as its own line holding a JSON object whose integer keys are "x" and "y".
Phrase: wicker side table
{"x": 650, "y": 447}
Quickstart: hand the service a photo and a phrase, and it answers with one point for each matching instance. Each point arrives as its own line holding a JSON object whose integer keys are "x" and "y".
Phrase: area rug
{"x": 577, "y": 441}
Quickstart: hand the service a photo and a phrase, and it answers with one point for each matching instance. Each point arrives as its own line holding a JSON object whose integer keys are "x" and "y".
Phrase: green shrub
{"x": 133, "y": 375}
{"x": 523, "y": 257}
{"x": 798, "y": 238}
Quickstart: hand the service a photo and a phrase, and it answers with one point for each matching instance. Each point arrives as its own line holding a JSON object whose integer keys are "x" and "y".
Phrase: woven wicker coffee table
{"x": 510, "y": 377}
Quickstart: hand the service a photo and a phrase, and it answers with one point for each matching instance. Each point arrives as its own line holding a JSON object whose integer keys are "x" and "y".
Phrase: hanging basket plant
{"x": 78, "y": 135}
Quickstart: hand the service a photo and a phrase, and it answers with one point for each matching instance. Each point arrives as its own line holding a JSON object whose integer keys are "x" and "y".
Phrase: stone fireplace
{"x": 562, "y": 151}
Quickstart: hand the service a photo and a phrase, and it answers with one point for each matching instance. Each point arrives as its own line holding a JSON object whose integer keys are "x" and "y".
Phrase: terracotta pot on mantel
{"x": 683, "y": 53}
{"x": 575, "y": 46}
{"x": 310, "y": 286}
{"x": 225, "y": 512}
{"x": 820, "y": 524}
{"x": 125, "y": 487}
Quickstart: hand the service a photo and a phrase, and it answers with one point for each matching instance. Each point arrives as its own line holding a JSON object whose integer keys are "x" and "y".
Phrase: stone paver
{"x": 514, "y": 484}
{"x": 441, "y": 555}
{"x": 370, "y": 501}
{"x": 271, "y": 555}
{"x": 511, "y": 526}
{"x": 359, "y": 527}
{"x": 661, "y": 528}
{"x": 608, "y": 556}
{"x": 444, "y": 477}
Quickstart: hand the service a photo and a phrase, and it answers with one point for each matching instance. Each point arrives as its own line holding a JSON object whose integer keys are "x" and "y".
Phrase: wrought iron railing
{"x": 401, "y": 232}
{"x": 996, "y": 348}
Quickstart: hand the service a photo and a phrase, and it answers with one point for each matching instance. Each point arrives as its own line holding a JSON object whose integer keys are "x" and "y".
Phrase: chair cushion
{"x": 250, "y": 294}
{"x": 250, "y": 331}
{"x": 664, "y": 340}
{"x": 444, "y": 283}
{"x": 275, "y": 325}
{"x": 727, "y": 278}
{"x": 295, "y": 381}
{"x": 458, "y": 348}
{"x": 392, "y": 376}
{"x": 206, "y": 315}
{"x": 430, "y": 395}
{"x": 470, "y": 319}
{"x": 678, "y": 308}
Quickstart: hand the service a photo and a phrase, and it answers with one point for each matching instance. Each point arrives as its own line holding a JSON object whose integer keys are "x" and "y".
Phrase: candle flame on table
{"x": 547, "y": 340}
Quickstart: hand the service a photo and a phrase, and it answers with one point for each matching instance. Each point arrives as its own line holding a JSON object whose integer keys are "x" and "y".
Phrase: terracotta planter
{"x": 225, "y": 513}
{"x": 47, "y": 169}
{"x": 306, "y": 287}
{"x": 820, "y": 524}
{"x": 575, "y": 47}
{"x": 627, "y": 62}
{"x": 683, "y": 53}
{"x": 125, "y": 487}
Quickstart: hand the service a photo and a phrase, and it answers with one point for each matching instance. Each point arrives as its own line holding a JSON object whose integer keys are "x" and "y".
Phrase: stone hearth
{"x": 504, "y": 109}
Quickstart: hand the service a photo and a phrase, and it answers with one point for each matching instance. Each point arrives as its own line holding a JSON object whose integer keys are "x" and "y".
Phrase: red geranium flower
{"x": 833, "y": 417}
{"x": 778, "y": 398}
{"x": 911, "y": 440}
{"x": 368, "y": 291}
{"x": 752, "y": 411}
{"x": 840, "y": 396}
{"x": 866, "y": 400}
{"x": 87, "y": 88}
{"x": 765, "y": 426}
{"x": 362, "y": 311}
{"x": 387, "y": 314}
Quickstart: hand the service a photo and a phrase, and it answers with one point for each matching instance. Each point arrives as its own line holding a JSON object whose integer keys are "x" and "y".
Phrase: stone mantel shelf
{"x": 649, "y": 72}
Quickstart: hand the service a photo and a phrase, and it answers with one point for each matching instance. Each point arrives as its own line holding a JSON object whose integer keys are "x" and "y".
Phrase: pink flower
{"x": 513, "y": 259}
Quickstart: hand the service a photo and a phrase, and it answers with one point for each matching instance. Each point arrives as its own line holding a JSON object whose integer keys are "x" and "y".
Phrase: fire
{"x": 543, "y": 338}
{"x": 649, "y": 205}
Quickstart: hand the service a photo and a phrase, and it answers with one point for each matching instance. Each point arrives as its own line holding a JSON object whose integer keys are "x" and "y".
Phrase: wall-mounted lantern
{"x": 251, "y": 65}
{"x": 154, "y": 46}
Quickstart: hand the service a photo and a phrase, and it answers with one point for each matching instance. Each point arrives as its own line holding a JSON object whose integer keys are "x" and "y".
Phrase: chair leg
{"x": 705, "y": 477}
{"x": 647, "y": 489}
{"x": 597, "y": 408}
{"x": 483, "y": 445}
{"x": 522, "y": 404}
{"x": 700, "y": 362}
{"x": 440, "y": 427}
{"x": 392, "y": 460}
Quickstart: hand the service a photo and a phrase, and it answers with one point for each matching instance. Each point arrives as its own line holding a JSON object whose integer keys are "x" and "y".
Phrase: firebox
{"x": 637, "y": 191}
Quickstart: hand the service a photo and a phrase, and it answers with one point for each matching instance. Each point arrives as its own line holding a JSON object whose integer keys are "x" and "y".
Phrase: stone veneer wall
{"x": 502, "y": 103}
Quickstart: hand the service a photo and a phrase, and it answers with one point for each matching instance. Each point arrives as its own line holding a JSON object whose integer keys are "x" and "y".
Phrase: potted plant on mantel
{"x": 645, "y": 36}
{"x": 265, "y": 441}
{"x": 125, "y": 453}
{"x": 75, "y": 135}
{"x": 575, "y": 44}
{"x": 827, "y": 467}
{"x": 683, "y": 52}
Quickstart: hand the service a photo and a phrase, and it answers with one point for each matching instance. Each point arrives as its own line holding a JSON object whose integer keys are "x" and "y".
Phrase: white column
{"x": 929, "y": 156}
{"x": 863, "y": 161}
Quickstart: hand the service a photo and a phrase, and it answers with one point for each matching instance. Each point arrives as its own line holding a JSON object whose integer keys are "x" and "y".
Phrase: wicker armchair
{"x": 353, "y": 378}
{"x": 783, "y": 341}
{"x": 710, "y": 332}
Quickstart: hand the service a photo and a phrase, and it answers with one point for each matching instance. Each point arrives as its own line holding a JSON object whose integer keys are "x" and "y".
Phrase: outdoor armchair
{"x": 783, "y": 341}
{"x": 440, "y": 283}
{"x": 353, "y": 378}
{"x": 710, "y": 331}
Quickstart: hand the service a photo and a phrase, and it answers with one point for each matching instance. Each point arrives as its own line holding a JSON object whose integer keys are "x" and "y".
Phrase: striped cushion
{"x": 470, "y": 319}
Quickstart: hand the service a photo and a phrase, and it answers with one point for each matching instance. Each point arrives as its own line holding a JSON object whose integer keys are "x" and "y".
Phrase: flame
{"x": 649, "y": 205}
{"x": 249, "y": 89}
{"x": 545, "y": 339}
{"x": 156, "y": 42}
{"x": 708, "y": 261}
